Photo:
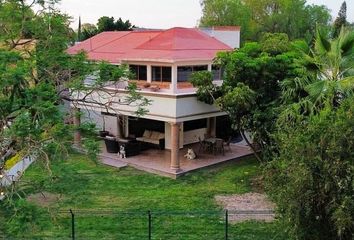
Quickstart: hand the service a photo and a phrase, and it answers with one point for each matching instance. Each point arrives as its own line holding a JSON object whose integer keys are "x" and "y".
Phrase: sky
{"x": 159, "y": 13}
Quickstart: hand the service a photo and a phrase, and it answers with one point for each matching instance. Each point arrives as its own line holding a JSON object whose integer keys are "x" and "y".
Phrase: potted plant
{"x": 146, "y": 85}
{"x": 155, "y": 88}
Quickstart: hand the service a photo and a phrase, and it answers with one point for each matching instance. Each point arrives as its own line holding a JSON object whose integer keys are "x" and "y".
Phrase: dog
{"x": 121, "y": 152}
{"x": 190, "y": 155}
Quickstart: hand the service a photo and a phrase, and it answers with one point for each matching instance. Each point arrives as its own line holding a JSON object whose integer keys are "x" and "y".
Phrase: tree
{"x": 79, "y": 32}
{"x": 227, "y": 13}
{"x": 121, "y": 25}
{"x": 259, "y": 67}
{"x": 37, "y": 78}
{"x": 88, "y": 30}
{"x": 341, "y": 20}
{"x": 311, "y": 180}
{"x": 106, "y": 24}
{"x": 256, "y": 17}
{"x": 329, "y": 76}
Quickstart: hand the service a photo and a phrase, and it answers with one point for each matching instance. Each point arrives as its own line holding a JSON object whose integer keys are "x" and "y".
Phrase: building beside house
{"x": 162, "y": 62}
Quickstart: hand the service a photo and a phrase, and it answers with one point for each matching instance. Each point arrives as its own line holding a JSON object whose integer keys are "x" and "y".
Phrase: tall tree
{"x": 292, "y": 17}
{"x": 37, "y": 77}
{"x": 79, "y": 32}
{"x": 341, "y": 20}
{"x": 106, "y": 24}
{"x": 252, "y": 75}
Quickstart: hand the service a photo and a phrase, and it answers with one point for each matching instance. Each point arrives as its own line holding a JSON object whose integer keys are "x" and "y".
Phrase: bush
{"x": 312, "y": 180}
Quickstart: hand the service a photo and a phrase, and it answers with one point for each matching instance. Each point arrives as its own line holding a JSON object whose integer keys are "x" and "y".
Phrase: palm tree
{"x": 327, "y": 77}
{"x": 331, "y": 63}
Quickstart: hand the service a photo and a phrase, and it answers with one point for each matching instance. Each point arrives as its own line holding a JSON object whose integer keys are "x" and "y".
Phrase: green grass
{"x": 84, "y": 185}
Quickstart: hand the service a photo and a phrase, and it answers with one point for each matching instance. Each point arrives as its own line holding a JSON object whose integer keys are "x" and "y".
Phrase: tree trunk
{"x": 250, "y": 145}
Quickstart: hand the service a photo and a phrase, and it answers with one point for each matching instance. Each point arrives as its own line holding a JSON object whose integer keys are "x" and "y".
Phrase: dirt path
{"x": 248, "y": 206}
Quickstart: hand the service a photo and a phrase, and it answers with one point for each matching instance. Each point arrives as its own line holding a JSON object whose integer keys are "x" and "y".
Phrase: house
{"x": 162, "y": 62}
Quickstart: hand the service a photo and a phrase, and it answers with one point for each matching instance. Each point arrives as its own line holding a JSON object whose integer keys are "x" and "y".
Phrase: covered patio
{"x": 159, "y": 161}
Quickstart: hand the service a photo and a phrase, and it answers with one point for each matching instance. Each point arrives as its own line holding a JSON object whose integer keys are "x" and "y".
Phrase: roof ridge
{"x": 151, "y": 38}
{"x": 115, "y": 39}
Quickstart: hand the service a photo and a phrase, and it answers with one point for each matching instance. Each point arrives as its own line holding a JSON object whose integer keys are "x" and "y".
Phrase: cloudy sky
{"x": 159, "y": 13}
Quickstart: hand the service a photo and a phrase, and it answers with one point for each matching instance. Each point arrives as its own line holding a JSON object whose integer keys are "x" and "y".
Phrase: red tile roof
{"x": 175, "y": 44}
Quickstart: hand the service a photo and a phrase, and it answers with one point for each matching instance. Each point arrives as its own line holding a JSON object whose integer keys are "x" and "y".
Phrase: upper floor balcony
{"x": 167, "y": 78}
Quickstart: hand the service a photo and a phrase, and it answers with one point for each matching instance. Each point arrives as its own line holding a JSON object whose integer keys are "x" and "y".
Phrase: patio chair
{"x": 202, "y": 145}
{"x": 219, "y": 146}
{"x": 227, "y": 144}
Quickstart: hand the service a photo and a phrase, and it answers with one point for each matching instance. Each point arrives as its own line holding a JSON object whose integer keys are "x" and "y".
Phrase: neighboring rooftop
{"x": 172, "y": 45}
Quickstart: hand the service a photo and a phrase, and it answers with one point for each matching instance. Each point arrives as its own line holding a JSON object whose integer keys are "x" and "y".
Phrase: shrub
{"x": 312, "y": 180}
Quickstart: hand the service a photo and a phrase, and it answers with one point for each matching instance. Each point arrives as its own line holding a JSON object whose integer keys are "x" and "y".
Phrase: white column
{"x": 148, "y": 73}
{"x": 173, "y": 85}
{"x": 209, "y": 67}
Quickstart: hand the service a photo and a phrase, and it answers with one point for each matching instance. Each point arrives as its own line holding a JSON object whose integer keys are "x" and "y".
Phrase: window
{"x": 161, "y": 74}
{"x": 139, "y": 71}
{"x": 184, "y": 72}
{"x": 217, "y": 72}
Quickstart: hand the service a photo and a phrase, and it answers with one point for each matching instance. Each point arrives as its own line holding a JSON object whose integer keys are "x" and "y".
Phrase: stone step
{"x": 112, "y": 162}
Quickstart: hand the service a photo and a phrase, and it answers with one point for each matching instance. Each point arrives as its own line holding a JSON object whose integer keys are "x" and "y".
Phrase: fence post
{"x": 149, "y": 217}
{"x": 72, "y": 225}
{"x": 226, "y": 224}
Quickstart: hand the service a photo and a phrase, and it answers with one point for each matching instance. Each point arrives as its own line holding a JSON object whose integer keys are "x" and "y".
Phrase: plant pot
{"x": 103, "y": 133}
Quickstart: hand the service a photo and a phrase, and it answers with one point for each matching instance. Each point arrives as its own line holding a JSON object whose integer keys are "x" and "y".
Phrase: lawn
{"x": 117, "y": 201}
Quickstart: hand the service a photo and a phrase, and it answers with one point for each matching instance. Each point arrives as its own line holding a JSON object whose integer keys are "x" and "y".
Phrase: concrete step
{"x": 112, "y": 162}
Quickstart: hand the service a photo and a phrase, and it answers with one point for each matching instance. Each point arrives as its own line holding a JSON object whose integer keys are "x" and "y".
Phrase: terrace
{"x": 158, "y": 161}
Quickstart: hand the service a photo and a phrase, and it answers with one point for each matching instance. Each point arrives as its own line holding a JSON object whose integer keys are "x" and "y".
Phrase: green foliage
{"x": 105, "y": 24}
{"x": 312, "y": 178}
{"x": 39, "y": 79}
{"x": 238, "y": 103}
{"x": 275, "y": 43}
{"x": 294, "y": 18}
{"x": 207, "y": 92}
{"x": 329, "y": 74}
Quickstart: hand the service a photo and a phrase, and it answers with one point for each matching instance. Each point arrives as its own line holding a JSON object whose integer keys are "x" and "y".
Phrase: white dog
{"x": 190, "y": 155}
{"x": 122, "y": 152}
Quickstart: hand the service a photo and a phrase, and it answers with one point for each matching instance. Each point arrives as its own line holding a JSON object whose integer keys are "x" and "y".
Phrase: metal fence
{"x": 172, "y": 225}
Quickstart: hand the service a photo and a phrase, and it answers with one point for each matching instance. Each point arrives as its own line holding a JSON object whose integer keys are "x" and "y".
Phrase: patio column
{"x": 120, "y": 132}
{"x": 175, "y": 128}
{"x": 77, "y": 122}
{"x": 212, "y": 126}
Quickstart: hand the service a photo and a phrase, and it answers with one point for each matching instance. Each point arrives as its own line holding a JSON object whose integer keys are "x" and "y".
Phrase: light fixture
{"x": 2, "y": 193}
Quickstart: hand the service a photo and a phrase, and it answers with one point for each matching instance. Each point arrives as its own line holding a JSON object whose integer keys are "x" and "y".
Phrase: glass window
{"x": 161, "y": 74}
{"x": 217, "y": 72}
{"x": 139, "y": 72}
{"x": 184, "y": 72}
{"x": 166, "y": 74}
{"x": 200, "y": 68}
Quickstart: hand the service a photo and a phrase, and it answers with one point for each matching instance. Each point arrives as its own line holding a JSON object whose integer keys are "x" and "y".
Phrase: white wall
{"x": 192, "y": 136}
{"x": 230, "y": 38}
